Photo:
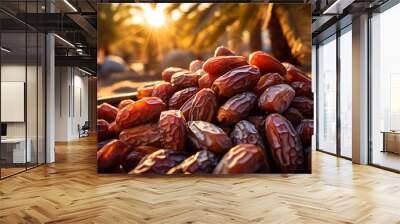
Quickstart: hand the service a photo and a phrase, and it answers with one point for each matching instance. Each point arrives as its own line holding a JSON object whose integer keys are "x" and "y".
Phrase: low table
{"x": 13, "y": 150}
{"x": 391, "y": 141}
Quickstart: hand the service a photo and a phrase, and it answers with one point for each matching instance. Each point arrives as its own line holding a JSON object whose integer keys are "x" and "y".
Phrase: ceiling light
{"x": 65, "y": 41}
{"x": 70, "y": 5}
{"x": 5, "y": 50}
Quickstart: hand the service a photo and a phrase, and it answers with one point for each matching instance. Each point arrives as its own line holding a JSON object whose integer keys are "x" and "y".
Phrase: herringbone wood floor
{"x": 70, "y": 191}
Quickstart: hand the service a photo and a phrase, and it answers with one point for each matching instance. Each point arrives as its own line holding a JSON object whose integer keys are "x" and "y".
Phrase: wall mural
{"x": 204, "y": 88}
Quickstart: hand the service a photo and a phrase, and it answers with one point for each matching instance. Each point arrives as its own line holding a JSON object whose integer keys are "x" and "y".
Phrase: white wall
{"x": 71, "y": 107}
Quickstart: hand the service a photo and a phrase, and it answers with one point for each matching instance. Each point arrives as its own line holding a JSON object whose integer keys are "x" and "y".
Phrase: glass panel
{"x": 327, "y": 96}
{"x": 385, "y": 84}
{"x": 41, "y": 99}
{"x": 346, "y": 94}
{"x": 31, "y": 98}
{"x": 13, "y": 85}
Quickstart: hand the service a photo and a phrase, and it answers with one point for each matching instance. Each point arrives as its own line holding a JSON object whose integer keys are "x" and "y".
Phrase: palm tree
{"x": 203, "y": 25}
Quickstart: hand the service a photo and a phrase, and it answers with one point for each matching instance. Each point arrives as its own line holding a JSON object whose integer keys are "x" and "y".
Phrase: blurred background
{"x": 136, "y": 41}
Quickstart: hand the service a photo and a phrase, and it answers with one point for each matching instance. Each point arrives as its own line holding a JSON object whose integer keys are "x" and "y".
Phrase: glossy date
{"x": 236, "y": 108}
{"x": 285, "y": 144}
{"x": 276, "y": 99}
{"x": 173, "y": 130}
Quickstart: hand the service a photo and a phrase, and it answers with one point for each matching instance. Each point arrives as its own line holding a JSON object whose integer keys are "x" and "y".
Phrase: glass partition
{"x": 327, "y": 96}
{"x": 385, "y": 89}
{"x": 346, "y": 92}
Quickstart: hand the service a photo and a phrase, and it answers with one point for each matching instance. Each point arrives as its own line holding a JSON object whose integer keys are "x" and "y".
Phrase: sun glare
{"x": 154, "y": 16}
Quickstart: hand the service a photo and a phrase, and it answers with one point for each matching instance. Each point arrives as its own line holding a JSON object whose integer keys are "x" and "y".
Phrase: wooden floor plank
{"x": 70, "y": 191}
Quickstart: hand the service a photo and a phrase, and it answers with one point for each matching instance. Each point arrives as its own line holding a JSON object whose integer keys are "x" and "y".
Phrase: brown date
{"x": 163, "y": 91}
{"x": 103, "y": 132}
{"x": 202, "y": 162}
{"x": 204, "y": 106}
{"x": 103, "y": 143}
{"x": 168, "y": 72}
{"x": 302, "y": 88}
{"x": 276, "y": 99}
{"x": 220, "y": 65}
{"x": 305, "y": 131}
{"x": 266, "y": 81}
{"x": 245, "y": 132}
{"x": 114, "y": 129}
{"x": 243, "y": 158}
{"x": 259, "y": 122}
{"x": 134, "y": 157}
{"x": 308, "y": 153}
{"x": 111, "y": 155}
{"x": 236, "y": 108}
{"x": 205, "y": 135}
{"x": 294, "y": 74}
{"x": 173, "y": 130}
{"x": 294, "y": 116}
{"x": 223, "y": 51}
{"x": 107, "y": 112}
{"x": 266, "y": 63}
{"x": 179, "y": 98}
{"x": 185, "y": 108}
{"x": 237, "y": 80}
{"x": 144, "y": 91}
{"x": 124, "y": 103}
{"x": 140, "y": 112}
{"x": 159, "y": 162}
{"x": 146, "y": 134}
{"x": 285, "y": 144}
{"x": 206, "y": 81}
{"x": 304, "y": 105}
{"x": 196, "y": 65}
{"x": 182, "y": 80}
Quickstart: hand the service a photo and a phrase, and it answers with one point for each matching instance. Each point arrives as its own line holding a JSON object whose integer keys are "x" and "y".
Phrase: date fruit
{"x": 220, "y": 65}
{"x": 103, "y": 130}
{"x": 305, "y": 131}
{"x": 266, "y": 81}
{"x": 204, "y": 106}
{"x": 266, "y": 63}
{"x": 163, "y": 91}
{"x": 237, "y": 80}
{"x": 124, "y": 103}
{"x": 103, "y": 143}
{"x": 111, "y": 155}
{"x": 302, "y": 88}
{"x": 196, "y": 65}
{"x": 304, "y": 105}
{"x": 145, "y": 91}
{"x": 107, "y": 112}
{"x": 294, "y": 74}
{"x": 146, "y": 134}
{"x": 202, "y": 162}
{"x": 182, "y": 80}
{"x": 259, "y": 122}
{"x": 140, "y": 112}
{"x": 276, "y": 99}
{"x": 173, "y": 130}
{"x": 114, "y": 130}
{"x": 294, "y": 116}
{"x": 168, "y": 72}
{"x": 223, "y": 51}
{"x": 185, "y": 108}
{"x": 236, "y": 108}
{"x": 285, "y": 144}
{"x": 243, "y": 158}
{"x": 179, "y": 98}
{"x": 205, "y": 135}
{"x": 159, "y": 162}
{"x": 206, "y": 81}
{"x": 134, "y": 157}
{"x": 245, "y": 132}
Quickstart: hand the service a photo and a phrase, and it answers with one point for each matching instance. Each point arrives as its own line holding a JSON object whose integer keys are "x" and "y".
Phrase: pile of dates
{"x": 225, "y": 115}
